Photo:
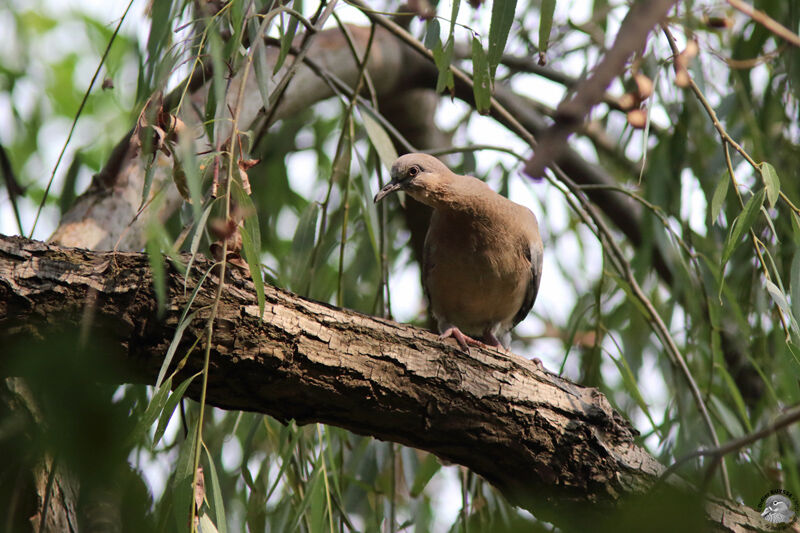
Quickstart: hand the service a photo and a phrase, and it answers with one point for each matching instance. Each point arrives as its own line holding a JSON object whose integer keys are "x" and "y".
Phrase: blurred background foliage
{"x": 730, "y": 296}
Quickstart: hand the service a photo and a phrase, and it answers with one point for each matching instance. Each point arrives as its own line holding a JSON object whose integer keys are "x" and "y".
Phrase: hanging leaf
{"x": 780, "y": 300}
{"x": 443, "y": 57}
{"x": 481, "y": 84}
{"x": 287, "y": 36}
{"x": 251, "y": 242}
{"x": 217, "y": 502}
{"x": 743, "y": 223}
{"x": 430, "y": 465}
{"x": 499, "y": 28}
{"x": 720, "y": 192}
{"x": 155, "y": 234}
{"x": 302, "y": 245}
{"x": 771, "y": 182}
{"x": 379, "y": 139}
{"x": 170, "y": 405}
{"x": 545, "y": 27}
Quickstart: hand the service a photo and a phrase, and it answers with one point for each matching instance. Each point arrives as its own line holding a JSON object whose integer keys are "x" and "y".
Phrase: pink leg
{"x": 463, "y": 340}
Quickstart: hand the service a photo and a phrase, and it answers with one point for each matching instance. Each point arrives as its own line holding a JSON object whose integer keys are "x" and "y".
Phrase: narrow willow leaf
{"x": 302, "y": 245}
{"x": 796, "y": 228}
{"x": 287, "y": 36}
{"x": 720, "y": 192}
{"x": 771, "y": 182}
{"x": 371, "y": 212}
{"x": 743, "y": 223}
{"x": 795, "y": 285}
{"x": 169, "y": 407}
{"x": 481, "y": 83}
{"x": 173, "y": 346}
{"x": 155, "y": 407}
{"x": 217, "y": 502}
{"x": 379, "y": 139}
{"x": 206, "y": 525}
{"x": 733, "y": 390}
{"x": 433, "y": 34}
{"x": 182, "y": 480}
{"x": 199, "y": 231}
{"x": 261, "y": 69}
{"x": 443, "y": 57}
{"x": 499, "y": 28}
{"x": 429, "y": 466}
{"x": 157, "y": 268}
{"x": 780, "y": 300}
{"x": 453, "y": 17}
{"x": 251, "y": 242}
{"x": 629, "y": 379}
{"x": 546, "y": 23}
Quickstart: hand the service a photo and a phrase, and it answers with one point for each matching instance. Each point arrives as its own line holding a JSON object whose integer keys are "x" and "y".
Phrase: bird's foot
{"x": 464, "y": 341}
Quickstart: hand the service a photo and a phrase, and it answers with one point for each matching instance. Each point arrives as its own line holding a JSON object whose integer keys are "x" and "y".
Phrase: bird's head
{"x": 416, "y": 173}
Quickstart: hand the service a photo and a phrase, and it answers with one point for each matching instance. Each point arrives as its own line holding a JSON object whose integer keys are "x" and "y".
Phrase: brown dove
{"x": 482, "y": 260}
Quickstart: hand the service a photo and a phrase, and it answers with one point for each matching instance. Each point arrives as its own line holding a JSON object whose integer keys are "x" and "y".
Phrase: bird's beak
{"x": 388, "y": 189}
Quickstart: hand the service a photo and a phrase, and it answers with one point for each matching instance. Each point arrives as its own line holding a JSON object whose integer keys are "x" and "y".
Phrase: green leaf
{"x": 198, "y": 235}
{"x": 305, "y": 235}
{"x": 481, "y": 82}
{"x": 771, "y": 182}
{"x": 251, "y": 242}
{"x": 433, "y": 34}
{"x": 796, "y": 227}
{"x": 426, "y": 470}
{"x": 379, "y": 139}
{"x": 156, "y": 260}
{"x": 176, "y": 341}
{"x": 443, "y": 57}
{"x": 720, "y": 192}
{"x": 733, "y": 390}
{"x": 218, "y": 505}
{"x": 370, "y": 211}
{"x": 170, "y": 405}
{"x": 453, "y": 17}
{"x": 545, "y": 23}
{"x": 261, "y": 64}
{"x": 287, "y": 36}
{"x": 206, "y": 525}
{"x": 743, "y": 223}
{"x": 629, "y": 380}
{"x": 499, "y": 28}
{"x": 780, "y": 300}
{"x": 154, "y": 408}
{"x": 795, "y": 284}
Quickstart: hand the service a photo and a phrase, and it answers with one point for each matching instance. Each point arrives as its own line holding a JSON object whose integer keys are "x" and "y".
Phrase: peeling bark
{"x": 545, "y": 442}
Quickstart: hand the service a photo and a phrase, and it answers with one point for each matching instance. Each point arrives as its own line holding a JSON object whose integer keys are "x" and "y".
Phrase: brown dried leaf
{"x": 627, "y": 102}
{"x": 637, "y": 118}
{"x": 244, "y": 165}
{"x": 644, "y": 86}
{"x": 200, "y": 488}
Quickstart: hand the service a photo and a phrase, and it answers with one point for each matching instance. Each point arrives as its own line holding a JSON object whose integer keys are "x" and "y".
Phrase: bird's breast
{"x": 476, "y": 278}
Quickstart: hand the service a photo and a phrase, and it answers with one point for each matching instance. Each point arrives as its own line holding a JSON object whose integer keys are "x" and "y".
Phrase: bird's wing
{"x": 533, "y": 253}
{"x": 427, "y": 266}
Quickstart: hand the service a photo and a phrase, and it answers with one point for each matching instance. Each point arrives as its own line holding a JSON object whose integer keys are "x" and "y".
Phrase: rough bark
{"x": 542, "y": 440}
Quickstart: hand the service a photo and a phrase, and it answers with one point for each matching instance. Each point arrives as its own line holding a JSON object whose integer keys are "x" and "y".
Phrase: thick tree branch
{"x": 545, "y": 442}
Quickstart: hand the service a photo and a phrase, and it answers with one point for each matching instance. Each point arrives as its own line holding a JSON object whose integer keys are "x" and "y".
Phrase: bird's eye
{"x": 413, "y": 171}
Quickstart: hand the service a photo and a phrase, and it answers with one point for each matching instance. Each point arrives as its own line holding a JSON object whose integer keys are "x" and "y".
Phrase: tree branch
{"x": 545, "y": 442}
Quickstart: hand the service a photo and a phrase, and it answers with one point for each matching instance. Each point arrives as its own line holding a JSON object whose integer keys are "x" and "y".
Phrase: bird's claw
{"x": 464, "y": 341}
